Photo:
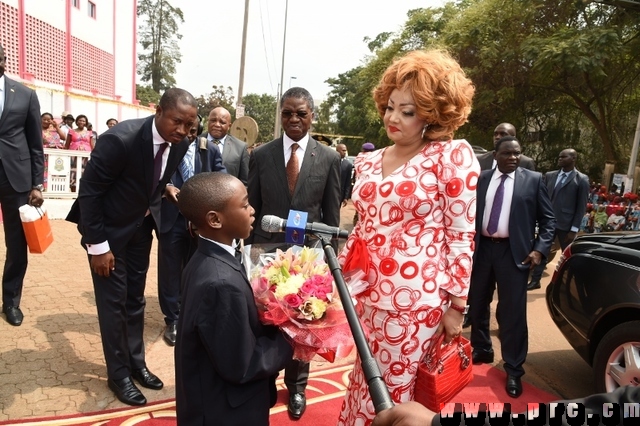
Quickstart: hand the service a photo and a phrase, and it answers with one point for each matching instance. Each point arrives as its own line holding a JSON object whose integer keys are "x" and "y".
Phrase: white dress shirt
{"x": 503, "y": 221}
{"x": 2, "y": 95}
{"x": 302, "y": 147}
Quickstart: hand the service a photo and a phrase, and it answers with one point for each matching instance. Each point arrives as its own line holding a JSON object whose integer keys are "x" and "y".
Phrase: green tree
{"x": 146, "y": 95}
{"x": 158, "y": 34}
{"x": 261, "y": 108}
{"x": 220, "y": 96}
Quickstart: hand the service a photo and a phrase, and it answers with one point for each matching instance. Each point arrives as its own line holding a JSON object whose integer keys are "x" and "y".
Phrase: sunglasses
{"x": 299, "y": 114}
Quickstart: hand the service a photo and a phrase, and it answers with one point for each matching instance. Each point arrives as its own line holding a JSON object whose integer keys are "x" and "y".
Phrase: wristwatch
{"x": 464, "y": 310}
{"x": 38, "y": 187}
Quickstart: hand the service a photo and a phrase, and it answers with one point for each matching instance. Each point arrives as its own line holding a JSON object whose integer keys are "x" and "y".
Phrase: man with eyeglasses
{"x": 294, "y": 172}
{"x": 235, "y": 156}
{"x": 176, "y": 244}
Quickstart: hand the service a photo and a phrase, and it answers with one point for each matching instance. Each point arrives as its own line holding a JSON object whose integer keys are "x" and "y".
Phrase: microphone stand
{"x": 377, "y": 387}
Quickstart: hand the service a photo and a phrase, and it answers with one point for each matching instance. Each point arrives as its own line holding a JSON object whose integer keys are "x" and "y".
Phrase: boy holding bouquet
{"x": 226, "y": 360}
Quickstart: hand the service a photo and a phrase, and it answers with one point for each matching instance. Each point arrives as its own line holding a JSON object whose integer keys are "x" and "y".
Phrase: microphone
{"x": 271, "y": 223}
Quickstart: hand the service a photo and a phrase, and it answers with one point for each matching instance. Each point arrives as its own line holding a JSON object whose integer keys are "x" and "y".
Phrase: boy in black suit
{"x": 226, "y": 360}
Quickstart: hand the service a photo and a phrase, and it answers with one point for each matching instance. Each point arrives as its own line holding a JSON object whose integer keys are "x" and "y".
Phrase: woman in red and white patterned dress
{"x": 416, "y": 202}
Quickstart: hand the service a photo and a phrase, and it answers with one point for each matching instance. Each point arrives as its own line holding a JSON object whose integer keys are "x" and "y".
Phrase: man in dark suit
{"x": 226, "y": 360}
{"x": 569, "y": 191}
{"x": 176, "y": 244}
{"x": 510, "y": 202}
{"x": 315, "y": 189}
{"x": 21, "y": 177}
{"x": 487, "y": 161}
{"x": 235, "y": 156}
{"x": 117, "y": 208}
{"x": 346, "y": 170}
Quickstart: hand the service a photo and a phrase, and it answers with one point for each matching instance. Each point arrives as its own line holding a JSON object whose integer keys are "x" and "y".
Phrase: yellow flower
{"x": 313, "y": 308}
{"x": 290, "y": 286}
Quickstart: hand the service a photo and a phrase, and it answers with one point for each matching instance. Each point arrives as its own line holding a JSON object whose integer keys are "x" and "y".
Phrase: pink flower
{"x": 293, "y": 300}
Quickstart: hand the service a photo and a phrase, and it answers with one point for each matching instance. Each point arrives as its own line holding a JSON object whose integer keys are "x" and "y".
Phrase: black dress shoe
{"x": 514, "y": 386}
{"x": 297, "y": 405}
{"x": 126, "y": 391}
{"x": 147, "y": 379}
{"x": 14, "y": 315}
{"x": 170, "y": 333}
{"x": 533, "y": 285}
{"x": 482, "y": 357}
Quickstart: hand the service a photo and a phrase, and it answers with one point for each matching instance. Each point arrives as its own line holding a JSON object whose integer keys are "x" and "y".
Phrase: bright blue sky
{"x": 324, "y": 39}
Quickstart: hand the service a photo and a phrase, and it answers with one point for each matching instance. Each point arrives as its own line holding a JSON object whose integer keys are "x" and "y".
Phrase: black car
{"x": 594, "y": 299}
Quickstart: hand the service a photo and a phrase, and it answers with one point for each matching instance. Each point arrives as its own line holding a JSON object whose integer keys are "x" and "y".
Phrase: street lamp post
{"x": 276, "y": 130}
{"x": 291, "y": 78}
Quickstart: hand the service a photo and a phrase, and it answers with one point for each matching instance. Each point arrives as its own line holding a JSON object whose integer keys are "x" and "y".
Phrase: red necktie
{"x": 292, "y": 169}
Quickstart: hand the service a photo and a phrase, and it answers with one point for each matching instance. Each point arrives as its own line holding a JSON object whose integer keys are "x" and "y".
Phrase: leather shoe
{"x": 147, "y": 379}
{"x": 297, "y": 405}
{"x": 14, "y": 315}
{"x": 482, "y": 357}
{"x": 533, "y": 285}
{"x": 126, "y": 391}
{"x": 170, "y": 333}
{"x": 514, "y": 386}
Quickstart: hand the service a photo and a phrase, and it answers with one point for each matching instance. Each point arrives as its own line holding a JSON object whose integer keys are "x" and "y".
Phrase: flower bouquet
{"x": 294, "y": 290}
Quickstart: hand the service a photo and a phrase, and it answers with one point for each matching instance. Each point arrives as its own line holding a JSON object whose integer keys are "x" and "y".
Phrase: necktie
{"x": 186, "y": 165}
{"x": 496, "y": 208}
{"x": 157, "y": 165}
{"x": 216, "y": 141}
{"x": 292, "y": 169}
{"x": 559, "y": 183}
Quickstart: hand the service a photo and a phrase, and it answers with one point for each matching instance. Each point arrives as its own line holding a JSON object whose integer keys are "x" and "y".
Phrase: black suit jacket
{"x": 21, "y": 137}
{"x": 530, "y": 204}
{"x": 486, "y": 161}
{"x": 570, "y": 199}
{"x": 346, "y": 169}
{"x": 115, "y": 189}
{"x": 226, "y": 360}
{"x": 212, "y": 163}
{"x": 317, "y": 191}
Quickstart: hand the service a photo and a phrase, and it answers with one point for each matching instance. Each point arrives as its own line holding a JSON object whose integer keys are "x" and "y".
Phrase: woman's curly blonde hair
{"x": 440, "y": 89}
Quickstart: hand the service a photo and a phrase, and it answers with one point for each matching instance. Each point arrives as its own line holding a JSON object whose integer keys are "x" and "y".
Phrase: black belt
{"x": 495, "y": 239}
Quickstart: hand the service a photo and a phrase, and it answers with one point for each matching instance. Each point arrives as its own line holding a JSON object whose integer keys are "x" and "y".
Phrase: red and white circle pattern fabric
{"x": 418, "y": 223}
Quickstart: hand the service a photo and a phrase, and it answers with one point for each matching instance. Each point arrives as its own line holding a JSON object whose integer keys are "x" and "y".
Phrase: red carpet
{"x": 324, "y": 398}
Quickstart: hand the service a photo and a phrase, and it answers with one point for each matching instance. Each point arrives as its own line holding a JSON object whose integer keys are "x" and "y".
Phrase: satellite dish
{"x": 246, "y": 129}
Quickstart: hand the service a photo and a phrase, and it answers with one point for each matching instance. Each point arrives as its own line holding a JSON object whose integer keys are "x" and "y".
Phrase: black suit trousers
{"x": 120, "y": 302}
{"x": 15, "y": 265}
{"x": 494, "y": 261}
{"x": 175, "y": 248}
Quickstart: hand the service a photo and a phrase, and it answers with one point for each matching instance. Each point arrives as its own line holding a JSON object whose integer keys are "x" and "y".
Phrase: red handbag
{"x": 443, "y": 372}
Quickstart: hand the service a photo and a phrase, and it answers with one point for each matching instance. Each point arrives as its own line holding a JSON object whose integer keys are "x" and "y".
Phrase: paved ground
{"x": 53, "y": 363}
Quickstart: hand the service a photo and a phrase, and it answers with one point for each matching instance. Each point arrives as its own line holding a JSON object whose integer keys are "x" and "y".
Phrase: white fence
{"x": 63, "y": 172}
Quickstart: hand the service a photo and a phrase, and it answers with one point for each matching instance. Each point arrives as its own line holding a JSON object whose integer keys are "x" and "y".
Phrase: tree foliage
{"x": 220, "y": 96}
{"x": 146, "y": 95}
{"x": 158, "y": 35}
{"x": 261, "y": 108}
{"x": 565, "y": 73}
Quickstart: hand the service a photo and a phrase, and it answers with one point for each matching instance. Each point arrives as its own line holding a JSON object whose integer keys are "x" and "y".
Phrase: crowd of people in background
{"x": 609, "y": 211}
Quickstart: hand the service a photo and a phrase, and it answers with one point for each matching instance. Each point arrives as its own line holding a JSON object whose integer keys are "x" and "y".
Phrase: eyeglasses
{"x": 299, "y": 114}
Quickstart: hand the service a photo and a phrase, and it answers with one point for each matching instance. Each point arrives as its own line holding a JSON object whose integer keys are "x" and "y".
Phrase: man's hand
{"x": 171, "y": 192}
{"x": 35, "y": 198}
{"x": 406, "y": 414}
{"x": 103, "y": 264}
{"x": 570, "y": 237}
{"x": 533, "y": 259}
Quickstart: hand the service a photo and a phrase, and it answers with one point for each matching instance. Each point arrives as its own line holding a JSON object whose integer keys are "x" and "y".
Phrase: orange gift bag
{"x": 37, "y": 228}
